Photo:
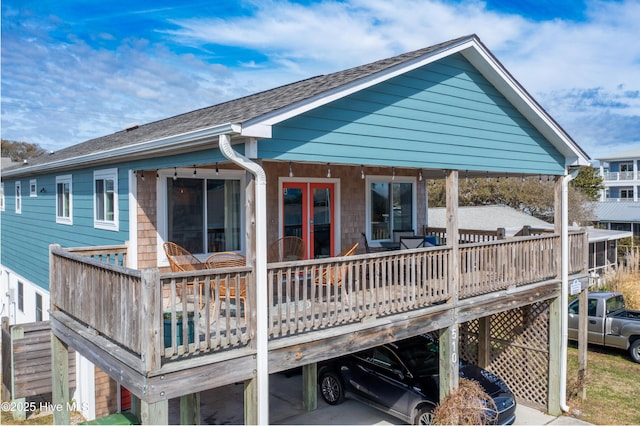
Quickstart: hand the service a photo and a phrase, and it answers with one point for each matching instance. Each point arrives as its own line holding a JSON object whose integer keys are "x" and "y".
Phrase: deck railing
{"x": 315, "y": 294}
{"x": 177, "y": 314}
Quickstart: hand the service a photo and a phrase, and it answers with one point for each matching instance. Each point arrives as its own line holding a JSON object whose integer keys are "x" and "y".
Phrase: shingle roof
{"x": 238, "y": 110}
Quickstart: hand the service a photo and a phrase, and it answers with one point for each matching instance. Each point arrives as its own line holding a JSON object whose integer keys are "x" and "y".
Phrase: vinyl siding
{"x": 444, "y": 115}
{"x": 25, "y": 238}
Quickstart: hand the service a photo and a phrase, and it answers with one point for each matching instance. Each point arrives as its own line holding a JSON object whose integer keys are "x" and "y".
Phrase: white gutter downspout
{"x": 564, "y": 298}
{"x": 262, "y": 340}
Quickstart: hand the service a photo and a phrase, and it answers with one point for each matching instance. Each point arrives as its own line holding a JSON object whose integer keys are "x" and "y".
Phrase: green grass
{"x": 613, "y": 387}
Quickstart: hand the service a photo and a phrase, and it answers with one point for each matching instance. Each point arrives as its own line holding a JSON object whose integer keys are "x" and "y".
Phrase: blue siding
{"x": 25, "y": 238}
{"x": 443, "y": 115}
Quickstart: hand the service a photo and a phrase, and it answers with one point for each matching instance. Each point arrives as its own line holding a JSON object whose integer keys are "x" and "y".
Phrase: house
{"x": 618, "y": 208}
{"x": 325, "y": 159}
{"x": 603, "y": 243}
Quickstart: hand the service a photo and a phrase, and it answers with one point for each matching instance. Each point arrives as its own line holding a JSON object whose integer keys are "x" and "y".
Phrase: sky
{"x": 74, "y": 70}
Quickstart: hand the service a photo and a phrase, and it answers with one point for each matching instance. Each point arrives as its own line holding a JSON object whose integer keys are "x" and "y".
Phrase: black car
{"x": 402, "y": 379}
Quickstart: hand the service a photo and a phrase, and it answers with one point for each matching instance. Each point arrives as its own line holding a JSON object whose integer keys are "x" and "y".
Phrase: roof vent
{"x": 131, "y": 126}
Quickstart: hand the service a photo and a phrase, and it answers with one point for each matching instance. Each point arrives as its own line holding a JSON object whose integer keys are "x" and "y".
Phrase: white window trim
{"x": 33, "y": 188}
{"x": 187, "y": 173}
{"x": 109, "y": 225}
{"x": 2, "y": 196}
{"x": 389, "y": 179}
{"x": 61, "y": 219}
{"x": 18, "y": 188}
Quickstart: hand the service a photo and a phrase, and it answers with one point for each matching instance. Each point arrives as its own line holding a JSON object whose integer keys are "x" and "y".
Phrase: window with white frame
{"x": 391, "y": 206}
{"x": 38, "y": 306}
{"x": 105, "y": 185}
{"x": 18, "y": 197}
{"x": 33, "y": 188}
{"x": 64, "y": 200}
{"x": 203, "y": 213}
{"x": 626, "y": 193}
{"x": 20, "y": 296}
{"x": 1, "y": 196}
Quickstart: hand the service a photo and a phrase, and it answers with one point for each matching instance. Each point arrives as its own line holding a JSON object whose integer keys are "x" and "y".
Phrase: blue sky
{"x": 73, "y": 70}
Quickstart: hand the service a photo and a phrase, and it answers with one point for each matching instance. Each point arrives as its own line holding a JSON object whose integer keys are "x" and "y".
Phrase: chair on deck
{"x": 227, "y": 259}
{"x": 332, "y": 275}
{"x": 181, "y": 259}
{"x": 286, "y": 249}
{"x": 411, "y": 242}
{"x": 402, "y": 233}
{"x": 369, "y": 249}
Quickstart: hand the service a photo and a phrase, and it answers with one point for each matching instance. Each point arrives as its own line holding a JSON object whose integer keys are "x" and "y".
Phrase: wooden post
{"x": 20, "y": 412}
{"x": 156, "y": 413}
{"x": 151, "y": 327}
{"x": 60, "y": 381}
{"x": 310, "y": 387}
{"x": 555, "y": 333}
{"x": 583, "y": 330}
{"x": 449, "y": 356}
{"x": 484, "y": 348}
{"x": 251, "y": 401}
{"x": 190, "y": 409}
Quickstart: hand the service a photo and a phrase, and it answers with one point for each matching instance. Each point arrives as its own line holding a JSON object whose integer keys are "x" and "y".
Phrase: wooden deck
{"x": 131, "y": 323}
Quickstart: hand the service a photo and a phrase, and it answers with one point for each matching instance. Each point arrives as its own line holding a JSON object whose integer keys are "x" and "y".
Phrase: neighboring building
{"x": 325, "y": 159}
{"x": 603, "y": 243}
{"x": 619, "y": 208}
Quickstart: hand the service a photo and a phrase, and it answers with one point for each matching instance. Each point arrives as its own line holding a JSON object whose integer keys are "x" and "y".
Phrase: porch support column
{"x": 60, "y": 380}
{"x": 190, "y": 409}
{"x": 484, "y": 348}
{"x": 449, "y": 336}
{"x": 251, "y": 385}
{"x": 310, "y": 387}
{"x": 156, "y": 413}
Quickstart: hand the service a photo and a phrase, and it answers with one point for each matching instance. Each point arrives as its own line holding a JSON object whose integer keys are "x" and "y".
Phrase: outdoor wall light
{"x": 328, "y": 170}
{"x": 194, "y": 170}
{"x": 420, "y": 175}
{"x": 175, "y": 173}
{"x": 217, "y": 170}
{"x": 290, "y": 169}
{"x": 43, "y": 190}
{"x": 362, "y": 171}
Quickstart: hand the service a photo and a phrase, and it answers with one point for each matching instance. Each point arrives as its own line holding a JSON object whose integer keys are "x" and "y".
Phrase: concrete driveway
{"x": 224, "y": 406}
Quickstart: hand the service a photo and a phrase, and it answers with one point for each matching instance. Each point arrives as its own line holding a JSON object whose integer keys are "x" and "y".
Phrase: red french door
{"x": 308, "y": 212}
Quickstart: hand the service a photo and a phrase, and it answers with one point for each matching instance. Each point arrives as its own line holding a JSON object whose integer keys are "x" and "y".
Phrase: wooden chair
{"x": 227, "y": 259}
{"x": 181, "y": 259}
{"x": 286, "y": 249}
{"x": 333, "y": 275}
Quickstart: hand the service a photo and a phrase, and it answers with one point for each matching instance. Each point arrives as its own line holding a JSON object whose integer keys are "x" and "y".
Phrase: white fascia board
{"x": 253, "y": 127}
{"x": 513, "y": 91}
{"x": 192, "y": 139}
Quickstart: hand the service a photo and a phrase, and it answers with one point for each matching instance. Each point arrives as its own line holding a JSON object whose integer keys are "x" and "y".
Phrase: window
{"x": 64, "y": 202}
{"x": 626, "y": 167}
{"x": 626, "y": 193}
{"x": 20, "y": 296}
{"x": 204, "y": 214}
{"x": 1, "y": 196}
{"x": 390, "y": 206}
{"x": 106, "y": 199}
{"x": 33, "y": 188}
{"x": 18, "y": 197}
{"x": 38, "y": 307}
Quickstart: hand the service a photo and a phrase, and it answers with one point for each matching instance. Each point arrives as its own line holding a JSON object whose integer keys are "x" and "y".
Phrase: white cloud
{"x": 585, "y": 73}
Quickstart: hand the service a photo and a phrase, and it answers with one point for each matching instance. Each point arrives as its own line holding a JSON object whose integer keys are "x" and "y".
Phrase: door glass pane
{"x": 380, "y": 209}
{"x": 185, "y": 213}
{"x": 321, "y": 222}
{"x": 402, "y": 207}
{"x": 223, "y": 215}
{"x": 293, "y": 212}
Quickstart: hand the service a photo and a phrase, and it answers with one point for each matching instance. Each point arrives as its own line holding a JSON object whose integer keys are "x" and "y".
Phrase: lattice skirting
{"x": 519, "y": 350}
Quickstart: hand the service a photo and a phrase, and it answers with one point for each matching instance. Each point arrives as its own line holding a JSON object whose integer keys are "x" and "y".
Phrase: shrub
{"x": 469, "y": 404}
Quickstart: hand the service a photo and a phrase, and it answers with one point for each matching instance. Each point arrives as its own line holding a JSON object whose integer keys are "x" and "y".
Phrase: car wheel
{"x": 634, "y": 350}
{"x": 331, "y": 388}
{"x": 424, "y": 417}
